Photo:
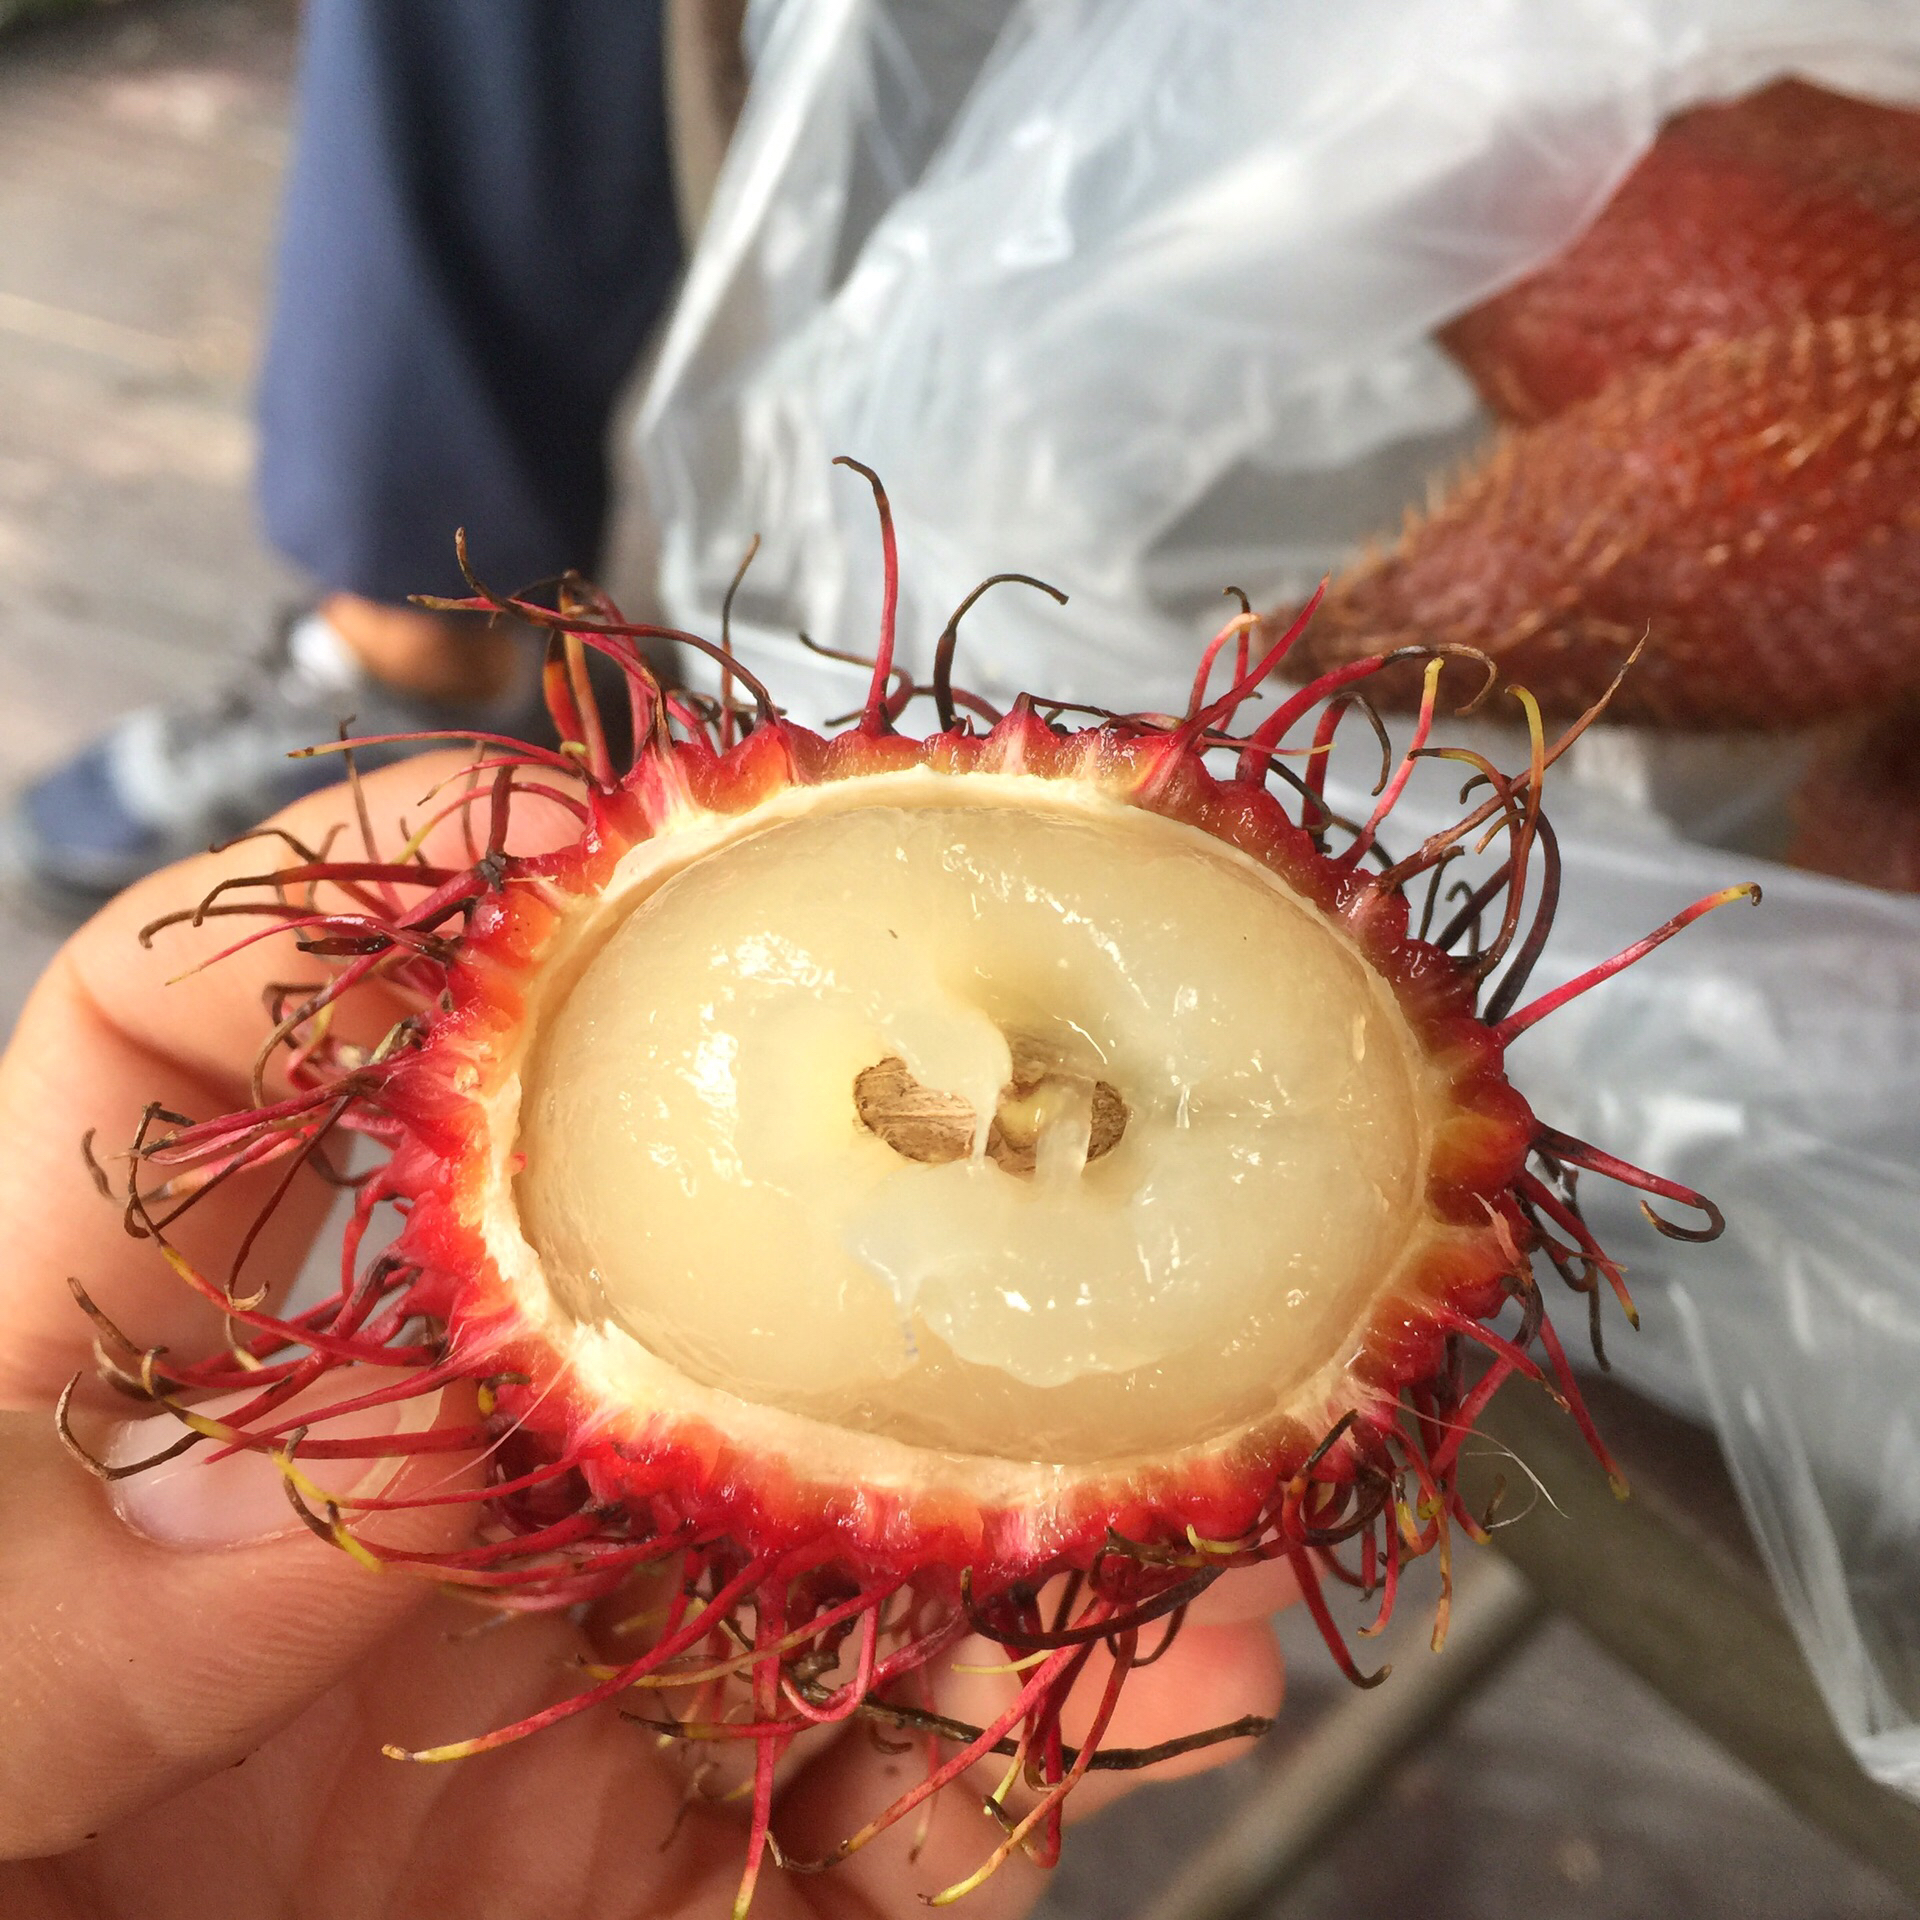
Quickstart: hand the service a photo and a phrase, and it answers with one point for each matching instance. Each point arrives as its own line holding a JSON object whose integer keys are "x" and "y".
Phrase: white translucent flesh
{"x": 696, "y": 1171}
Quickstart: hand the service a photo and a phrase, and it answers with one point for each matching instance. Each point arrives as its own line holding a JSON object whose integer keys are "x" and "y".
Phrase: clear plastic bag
{"x": 1134, "y": 296}
{"x": 1138, "y": 298}
{"x": 1769, "y": 1058}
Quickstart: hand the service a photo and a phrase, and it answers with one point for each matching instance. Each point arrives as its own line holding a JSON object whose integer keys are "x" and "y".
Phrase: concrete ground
{"x": 140, "y": 154}
{"x": 1563, "y": 1790}
{"x": 140, "y": 150}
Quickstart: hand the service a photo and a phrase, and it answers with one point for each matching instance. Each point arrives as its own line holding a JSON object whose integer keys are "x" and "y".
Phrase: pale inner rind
{"x": 696, "y": 1175}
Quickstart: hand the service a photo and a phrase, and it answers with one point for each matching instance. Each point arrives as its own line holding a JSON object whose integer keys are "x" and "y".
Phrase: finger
{"x": 587, "y": 1816}
{"x": 136, "y": 1662}
{"x": 1210, "y": 1676}
{"x": 71, "y": 1072}
{"x": 174, "y": 996}
{"x": 114, "y": 1026}
{"x": 1213, "y": 1677}
{"x": 1247, "y": 1593}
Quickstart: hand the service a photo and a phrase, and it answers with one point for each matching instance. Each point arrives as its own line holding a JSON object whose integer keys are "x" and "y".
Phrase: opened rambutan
{"x": 997, "y": 1181}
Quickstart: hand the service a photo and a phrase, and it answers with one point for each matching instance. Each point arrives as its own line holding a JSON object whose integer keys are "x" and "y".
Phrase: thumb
{"x": 161, "y": 1626}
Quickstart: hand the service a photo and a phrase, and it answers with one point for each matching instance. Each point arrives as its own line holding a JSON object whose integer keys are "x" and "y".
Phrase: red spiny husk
{"x": 1715, "y": 396}
{"x": 1857, "y": 813}
{"x": 1792, "y": 204}
{"x": 1750, "y": 512}
{"x": 579, "y": 1492}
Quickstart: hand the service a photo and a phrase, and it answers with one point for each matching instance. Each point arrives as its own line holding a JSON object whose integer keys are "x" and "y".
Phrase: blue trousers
{"x": 478, "y": 234}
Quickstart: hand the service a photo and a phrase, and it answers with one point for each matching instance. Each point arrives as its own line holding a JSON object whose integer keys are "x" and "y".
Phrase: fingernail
{"x": 198, "y": 1501}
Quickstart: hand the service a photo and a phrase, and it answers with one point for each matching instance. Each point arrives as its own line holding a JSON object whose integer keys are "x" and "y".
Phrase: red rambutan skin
{"x": 1751, "y": 509}
{"x": 1717, "y": 392}
{"x": 1792, "y": 204}
{"x": 1857, "y": 814}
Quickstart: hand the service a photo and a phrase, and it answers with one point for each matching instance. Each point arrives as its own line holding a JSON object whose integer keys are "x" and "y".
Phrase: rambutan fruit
{"x": 1857, "y": 812}
{"x": 1747, "y": 515}
{"x": 1714, "y": 398}
{"x": 1792, "y": 204}
{"x": 991, "y": 1182}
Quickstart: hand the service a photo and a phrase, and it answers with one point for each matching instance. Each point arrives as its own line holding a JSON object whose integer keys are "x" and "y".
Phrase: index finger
{"x": 115, "y": 1025}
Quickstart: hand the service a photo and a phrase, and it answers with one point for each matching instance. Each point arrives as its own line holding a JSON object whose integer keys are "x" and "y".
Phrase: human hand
{"x": 198, "y": 1690}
